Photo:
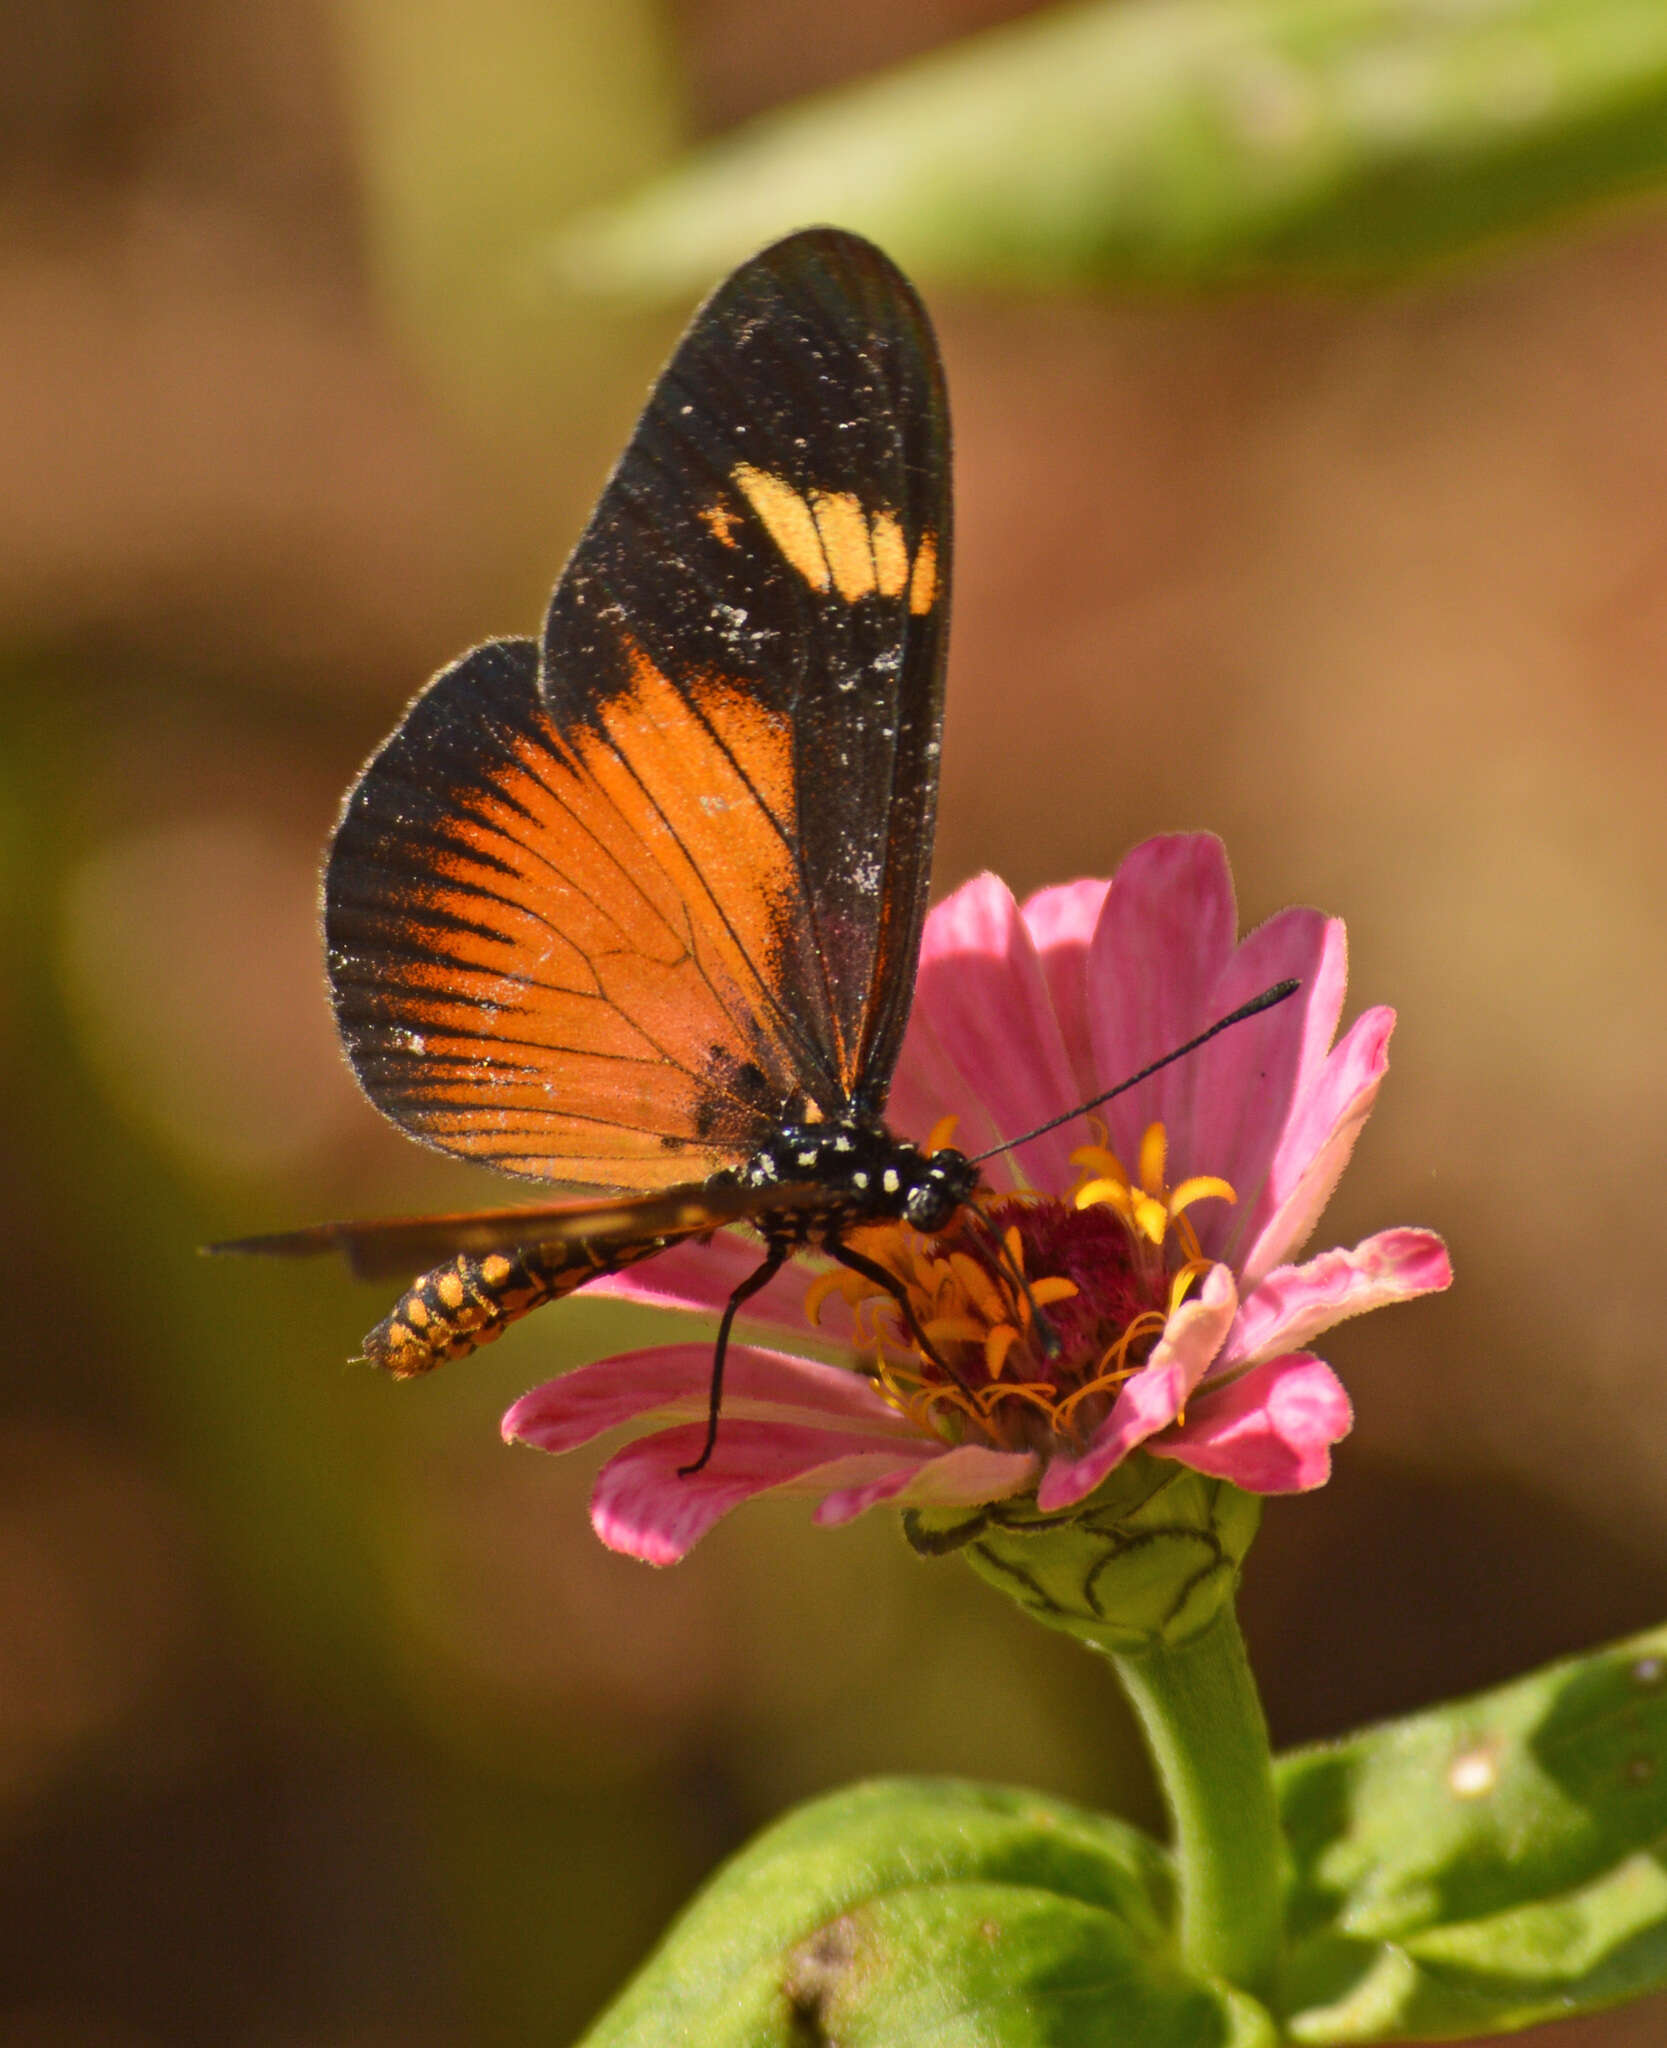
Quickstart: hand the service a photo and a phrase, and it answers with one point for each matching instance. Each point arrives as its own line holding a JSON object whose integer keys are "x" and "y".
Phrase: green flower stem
{"x": 1198, "y": 1705}
{"x": 1145, "y": 1571}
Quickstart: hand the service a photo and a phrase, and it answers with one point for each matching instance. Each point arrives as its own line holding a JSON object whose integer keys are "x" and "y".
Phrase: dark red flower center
{"x": 1031, "y": 1311}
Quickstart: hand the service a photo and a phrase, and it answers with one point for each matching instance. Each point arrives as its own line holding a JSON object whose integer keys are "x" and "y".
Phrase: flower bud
{"x": 1150, "y": 1557}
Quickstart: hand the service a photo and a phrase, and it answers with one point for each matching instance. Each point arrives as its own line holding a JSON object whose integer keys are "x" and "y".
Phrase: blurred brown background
{"x": 323, "y": 1718}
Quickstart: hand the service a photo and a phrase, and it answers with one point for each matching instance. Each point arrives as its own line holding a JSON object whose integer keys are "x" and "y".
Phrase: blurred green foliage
{"x": 1194, "y": 142}
{"x": 1475, "y": 1868}
{"x": 1488, "y": 1864}
{"x": 478, "y": 128}
{"x": 930, "y": 1910}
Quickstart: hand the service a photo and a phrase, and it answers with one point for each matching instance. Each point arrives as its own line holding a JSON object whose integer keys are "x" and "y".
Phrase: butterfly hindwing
{"x": 515, "y": 978}
{"x": 613, "y": 908}
{"x": 490, "y": 1267}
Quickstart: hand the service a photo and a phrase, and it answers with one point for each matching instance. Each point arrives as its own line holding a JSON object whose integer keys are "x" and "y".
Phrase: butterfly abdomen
{"x": 472, "y": 1300}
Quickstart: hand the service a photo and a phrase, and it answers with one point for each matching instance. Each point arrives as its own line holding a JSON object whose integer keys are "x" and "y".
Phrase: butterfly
{"x": 635, "y": 907}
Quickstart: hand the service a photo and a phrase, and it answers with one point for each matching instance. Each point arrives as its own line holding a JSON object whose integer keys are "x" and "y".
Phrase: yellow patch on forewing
{"x": 923, "y": 584}
{"x": 787, "y": 520}
{"x": 843, "y": 526}
{"x": 720, "y": 522}
{"x": 835, "y": 545}
{"x": 891, "y": 555}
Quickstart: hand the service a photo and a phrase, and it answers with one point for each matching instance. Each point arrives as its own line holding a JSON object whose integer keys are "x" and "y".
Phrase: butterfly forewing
{"x": 773, "y": 555}
{"x": 389, "y": 1247}
{"x": 613, "y": 909}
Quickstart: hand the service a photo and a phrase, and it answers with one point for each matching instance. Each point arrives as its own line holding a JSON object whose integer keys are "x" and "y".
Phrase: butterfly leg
{"x": 775, "y": 1258}
{"x": 894, "y": 1287}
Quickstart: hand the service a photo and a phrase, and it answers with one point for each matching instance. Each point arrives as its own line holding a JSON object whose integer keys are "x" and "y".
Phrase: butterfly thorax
{"x": 867, "y": 1175}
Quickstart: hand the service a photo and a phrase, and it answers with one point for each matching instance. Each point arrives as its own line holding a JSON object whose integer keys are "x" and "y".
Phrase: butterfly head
{"x": 942, "y": 1183}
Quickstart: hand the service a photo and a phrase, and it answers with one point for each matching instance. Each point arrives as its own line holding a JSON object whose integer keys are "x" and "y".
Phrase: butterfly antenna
{"x": 872, "y": 1271}
{"x": 1257, "y": 1004}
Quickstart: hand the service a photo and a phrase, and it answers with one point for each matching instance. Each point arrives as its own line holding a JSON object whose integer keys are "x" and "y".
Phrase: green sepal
{"x": 1182, "y": 141}
{"x": 931, "y": 1911}
{"x": 1486, "y": 1864}
{"x": 1151, "y": 1557}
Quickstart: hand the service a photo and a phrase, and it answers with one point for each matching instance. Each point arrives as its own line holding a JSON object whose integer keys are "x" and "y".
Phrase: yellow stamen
{"x": 1114, "y": 1194}
{"x": 1198, "y": 1188}
{"x": 1100, "y": 1161}
{"x": 1037, "y": 1395}
{"x": 1115, "y": 1359}
{"x": 1154, "y": 1157}
{"x": 941, "y": 1135}
{"x": 980, "y": 1289}
{"x": 953, "y": 1330}
{"x": 866, "y": 1332}
{"x": 1045, "y": 1292}
{"x": 996, "y": 1347}
{"x": 944, "y": 1397}
{"x": 1115, "y": 1367}
{"x": 932, "y": 1276}
{"x": 817, "y": 1293}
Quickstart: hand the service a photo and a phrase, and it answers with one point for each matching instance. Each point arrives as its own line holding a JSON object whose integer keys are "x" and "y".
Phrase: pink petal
{"x": 982, "y": 994}
{"x": 1269, "y": 1432}
{"x": 1317, "y": 1142}
{"x": 1154, "y": 1397}
{"x": 675, "y": 1379}
{"x": 956, "y": 1478}
{"x": 644, "y": 1506}
{"x": 1295, "y": 1304}
{"x": 699, "y": 1279}
{"x": 1227, "y": 1106}
{"x": 929, "y": 1086}
{"x": 1307, "y": 946}
{"x": 691, "y": 1276}
{"x": 1164, "y": 941}
{"x": 1061, "y": 923}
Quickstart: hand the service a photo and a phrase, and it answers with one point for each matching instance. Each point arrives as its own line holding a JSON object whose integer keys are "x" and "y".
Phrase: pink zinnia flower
{"x": 1156, "y": 1238}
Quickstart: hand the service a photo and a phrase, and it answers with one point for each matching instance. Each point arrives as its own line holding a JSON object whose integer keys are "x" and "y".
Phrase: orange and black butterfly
{"x": 635, "y": 907}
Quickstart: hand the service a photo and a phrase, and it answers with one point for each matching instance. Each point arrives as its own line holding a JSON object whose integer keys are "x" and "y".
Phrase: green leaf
{"x": 1183, "y": 141}
{"x": 1486, "y": 1864}
{"x": 908, "y": 1911}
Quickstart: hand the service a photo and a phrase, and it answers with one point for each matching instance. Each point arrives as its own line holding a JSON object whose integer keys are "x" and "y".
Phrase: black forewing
{"x": 814, "y": 368}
